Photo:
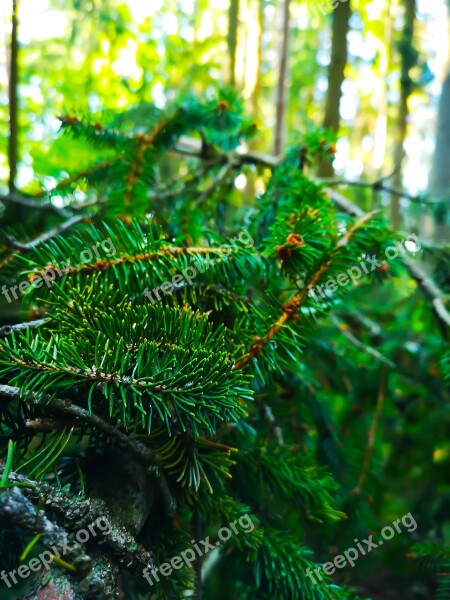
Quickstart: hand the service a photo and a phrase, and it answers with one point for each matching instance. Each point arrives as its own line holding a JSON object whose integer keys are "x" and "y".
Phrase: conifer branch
{"x": 429, "y": 289}
{"x": 79, "y": 415}
{"x": 104, "y": 264}
{"x": 291, "y": 308}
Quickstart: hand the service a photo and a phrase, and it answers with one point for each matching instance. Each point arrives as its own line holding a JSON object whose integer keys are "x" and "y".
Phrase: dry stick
{"x": 32, "y": 202}
{"x": 290, "y": 309}
{"x": 271, "y": 419}
{"x": 67, "y": 409}
{"x": 372, "y": 432}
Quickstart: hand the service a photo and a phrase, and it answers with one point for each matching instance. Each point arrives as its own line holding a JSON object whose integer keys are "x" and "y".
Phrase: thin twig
{"x": 271, "y": 420}
{"x": 13, "y": 85}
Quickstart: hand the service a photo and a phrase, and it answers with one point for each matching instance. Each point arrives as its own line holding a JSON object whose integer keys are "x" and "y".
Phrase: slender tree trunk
{"x": 440, "y": 172}
{"x": 256, "y": 96}
{"x": 282, "y": 84}
{"x": 338, "y": 62}
{"x": 381, "y": 128}
{"x": 233, "y": 26}
{"x": 406, "y": 89}
{"x": 13, "y": 99}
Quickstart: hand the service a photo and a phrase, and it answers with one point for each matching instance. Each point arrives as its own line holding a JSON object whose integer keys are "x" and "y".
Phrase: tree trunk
{"x": 406, "y": 88}
{"x": 440, "y": 173}
{"x": 256, "y": 96}
{"x": 338, "y": 61}
{"x": 13, "y": 100}
{"x": 233, "y": 24}
{"x": 282, "y": 81}
{"x": 382, "y": 126}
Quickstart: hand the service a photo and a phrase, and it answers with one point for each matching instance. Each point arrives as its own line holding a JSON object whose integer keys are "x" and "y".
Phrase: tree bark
{"x": 13, "y": 99}
{"x": 336, "y": 69}
{"x": 282, "y": 80}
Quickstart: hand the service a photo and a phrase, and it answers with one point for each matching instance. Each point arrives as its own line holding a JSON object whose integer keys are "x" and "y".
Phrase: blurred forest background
{"x": 372, "y": 70}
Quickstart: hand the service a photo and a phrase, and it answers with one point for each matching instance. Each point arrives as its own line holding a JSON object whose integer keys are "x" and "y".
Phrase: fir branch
{"x": 429, "y": 289}
{"x": 290, "y": 309}
{"x": 78, "y": 415}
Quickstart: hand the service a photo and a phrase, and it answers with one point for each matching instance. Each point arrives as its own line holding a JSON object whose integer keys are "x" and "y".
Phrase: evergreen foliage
{"x": 236, "y": 389}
